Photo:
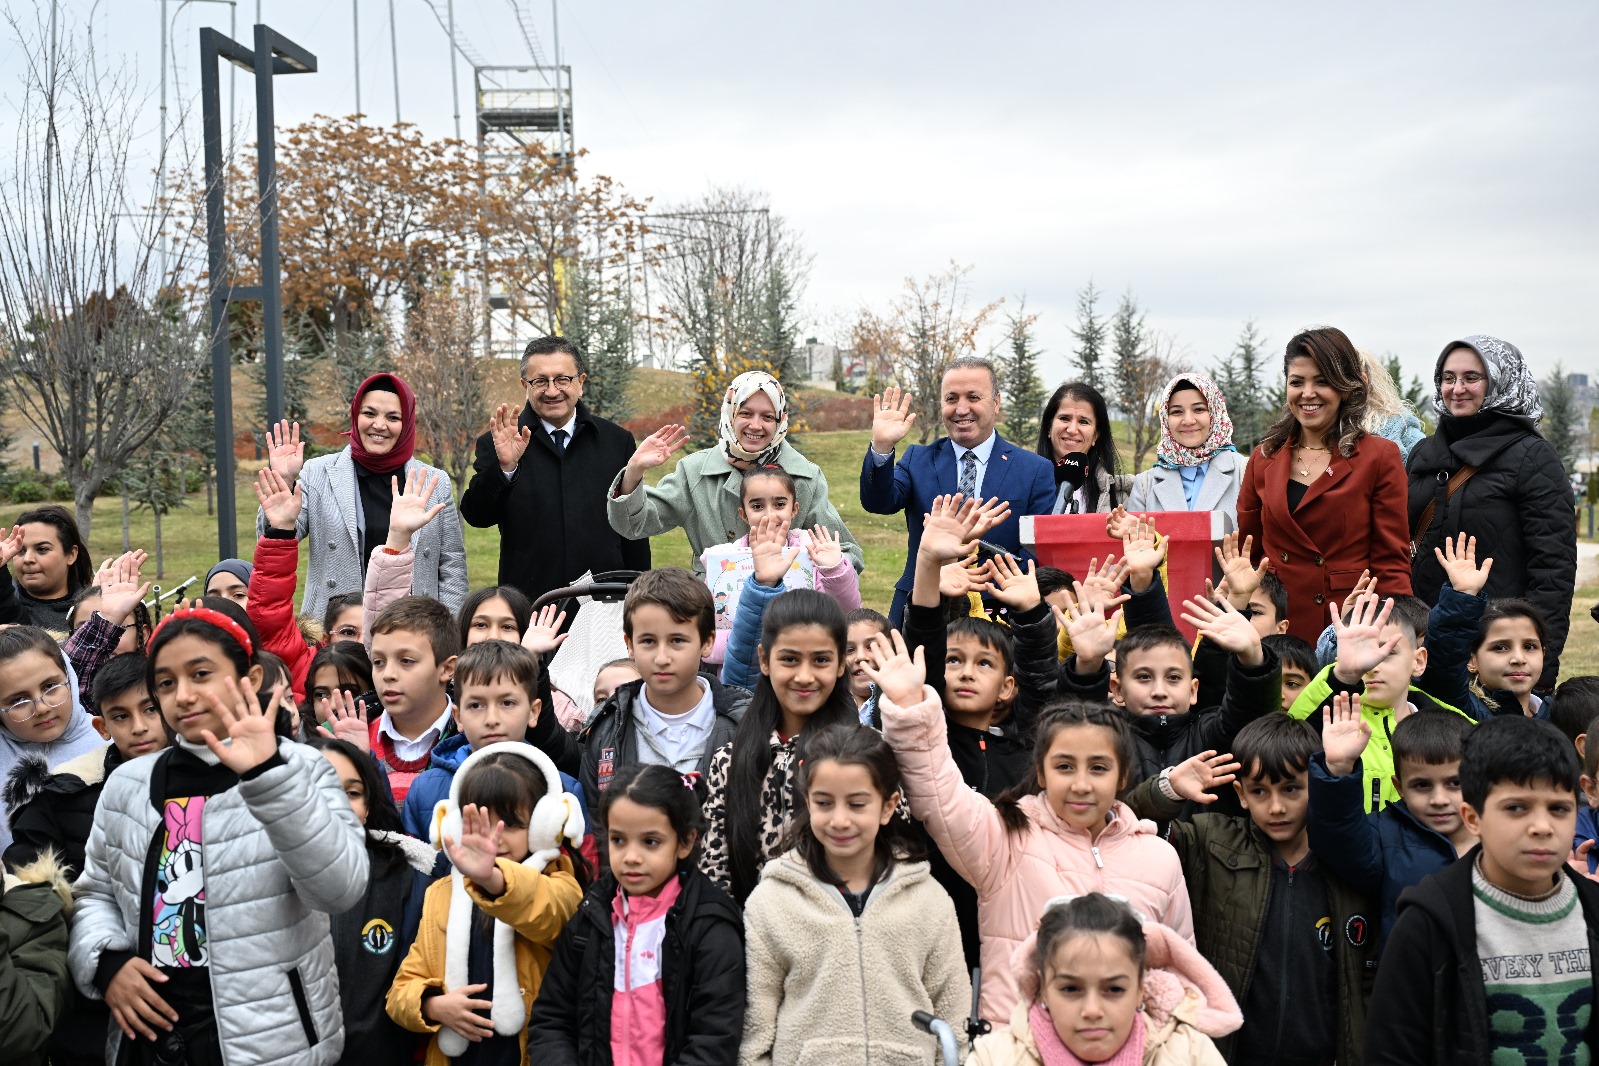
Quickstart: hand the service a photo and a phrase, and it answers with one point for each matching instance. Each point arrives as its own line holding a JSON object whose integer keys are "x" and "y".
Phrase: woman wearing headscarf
{"x": 1196, "y": 466}
{"x": 346, "y": 497}
{"x": 702, "y": 494}
{"x": 1487, "y": 472}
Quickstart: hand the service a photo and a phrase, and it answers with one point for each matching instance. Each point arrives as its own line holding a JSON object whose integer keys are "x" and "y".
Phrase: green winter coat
{"x": 35, "y": 987}
{"x": 1378, "y": 759}
{"x": 702, "y": 495}
{"x": 1227, "y": 864}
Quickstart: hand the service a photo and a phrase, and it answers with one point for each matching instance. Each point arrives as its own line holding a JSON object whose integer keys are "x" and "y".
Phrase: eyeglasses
{"x": 52, "y": 697}
{"x": 1470, "y": 377}
{"x": 560, "y": 381}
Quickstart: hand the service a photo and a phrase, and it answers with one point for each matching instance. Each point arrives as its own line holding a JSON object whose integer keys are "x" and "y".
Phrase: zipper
{"x": 1282, "y": 987}
{"x": 860, "y": 959}
{"x": 1095, "y": 849}
{"x": 302, "y": 1006}
{"x": 982, "y": 746}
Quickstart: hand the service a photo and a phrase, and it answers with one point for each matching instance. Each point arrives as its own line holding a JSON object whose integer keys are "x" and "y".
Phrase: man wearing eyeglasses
{"x": 542, "y": 476}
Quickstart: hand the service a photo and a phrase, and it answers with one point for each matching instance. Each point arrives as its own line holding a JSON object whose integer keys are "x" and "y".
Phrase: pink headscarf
{"x": 1172, "y": 455}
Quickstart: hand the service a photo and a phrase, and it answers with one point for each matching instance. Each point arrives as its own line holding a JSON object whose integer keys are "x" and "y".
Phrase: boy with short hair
{"x": 1381, "y": 650}
{"x": 1575, "y": 705}
{"x": 54, "y": 807}
{"x": 1491, "y": 959}
{"x": 1386, "y": 852}
{"x": 414, "y": 643}
{"x": 1292, "y": 939}
{"x": 673, "y": 714}
{"x": 1299, "y": 663}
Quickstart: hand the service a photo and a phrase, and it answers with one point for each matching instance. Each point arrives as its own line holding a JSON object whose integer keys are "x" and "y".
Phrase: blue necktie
{"x": 968, "y": 482}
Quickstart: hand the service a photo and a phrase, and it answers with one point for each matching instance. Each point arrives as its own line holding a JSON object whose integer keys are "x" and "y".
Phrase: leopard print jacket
{"x": 777, "y": 800}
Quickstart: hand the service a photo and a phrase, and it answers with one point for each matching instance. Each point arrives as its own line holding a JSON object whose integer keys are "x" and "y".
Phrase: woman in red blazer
{"x": 1322, "y": 498}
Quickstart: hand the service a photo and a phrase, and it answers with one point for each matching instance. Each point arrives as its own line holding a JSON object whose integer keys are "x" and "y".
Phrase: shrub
{"x": 28, "y": 492}
{"x": 61, "y": 490}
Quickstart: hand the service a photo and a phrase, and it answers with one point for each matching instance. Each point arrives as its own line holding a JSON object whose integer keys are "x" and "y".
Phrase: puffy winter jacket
{"x": 739, "y": 667}
{"x": 828, "y": 987}
{"x": 1379, "y": 854}
{"x": 54, "y": 807}
{"x": 271, "y": 607}
{"x": 35, "y": 988}
{"x": 283, "y": 850}
{"x": 840, "y": 582}
{"x": 1015, "y": 874}
{"x": 1227, "y": 862}
{"x": 1451, "y": 638}
{"x": 702, "y": 981}
{"x": 1519, "y": 507}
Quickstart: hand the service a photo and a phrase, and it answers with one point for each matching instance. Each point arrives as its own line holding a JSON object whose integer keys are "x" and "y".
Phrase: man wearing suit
{"x": 542, "y": 478}
{"x": 973, "y": 460}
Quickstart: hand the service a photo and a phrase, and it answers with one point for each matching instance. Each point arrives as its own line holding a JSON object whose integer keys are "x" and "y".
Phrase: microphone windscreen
{"x": 1072, "y": 469}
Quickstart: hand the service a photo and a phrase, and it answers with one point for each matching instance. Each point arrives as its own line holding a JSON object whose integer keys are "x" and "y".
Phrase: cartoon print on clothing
{"x": 178, "y": 929}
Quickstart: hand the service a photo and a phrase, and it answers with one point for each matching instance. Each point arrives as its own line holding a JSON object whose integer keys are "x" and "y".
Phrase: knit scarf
{"x": 1172, "y": 455}
{"x": 1054, "y": 1052}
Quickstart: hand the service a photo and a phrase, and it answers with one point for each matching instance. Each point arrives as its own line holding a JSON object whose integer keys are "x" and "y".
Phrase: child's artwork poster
{"x": 729, "y": 566}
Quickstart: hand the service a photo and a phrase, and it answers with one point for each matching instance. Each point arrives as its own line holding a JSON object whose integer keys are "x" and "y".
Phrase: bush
{"x": 61, "y": 490}
{"x": 28, "y": 492}
{"x": 193, "y": 481}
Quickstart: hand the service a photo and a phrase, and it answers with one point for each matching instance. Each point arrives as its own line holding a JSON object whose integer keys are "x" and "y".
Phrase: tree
{"x": 1562, "y": 422}
{"x": 936, "y": 327}
{"x": 600, "y": 324}
{"x": 441, "y": 361}
{"x": 153, "y": 479}
{"x": 1091, "y": 333}
{"x": 1138, "y": 374}
{"x": 1239, "y": 377}
{"x": 97, "y": 347}
{"x": 879, "y": 346}
{"x": 1019, "y": 380}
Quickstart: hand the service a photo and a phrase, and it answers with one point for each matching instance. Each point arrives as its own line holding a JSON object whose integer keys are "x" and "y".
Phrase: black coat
{"x": 56, "y": 809}
{"x": 1430, "y": 1005}
{"x": 1519, "y": 507}
{"x": 702, "y": 980}
{"x": 551, "y": 514}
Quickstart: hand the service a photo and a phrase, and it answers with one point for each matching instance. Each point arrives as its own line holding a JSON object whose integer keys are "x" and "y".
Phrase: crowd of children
{"x": 386, "y": 836}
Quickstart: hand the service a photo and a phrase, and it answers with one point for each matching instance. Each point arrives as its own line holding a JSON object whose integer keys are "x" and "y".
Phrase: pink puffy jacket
{"x": 841, "y": 582}
{"x": 1016, "y": 874}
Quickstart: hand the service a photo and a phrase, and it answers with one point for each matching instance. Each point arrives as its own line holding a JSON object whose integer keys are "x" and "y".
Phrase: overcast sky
{"x": 1409, "y": 172}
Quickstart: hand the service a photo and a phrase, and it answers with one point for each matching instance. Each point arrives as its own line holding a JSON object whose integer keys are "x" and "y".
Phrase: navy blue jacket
{"x": 1019, "y": 477}
{"x": 1379, "y": 854}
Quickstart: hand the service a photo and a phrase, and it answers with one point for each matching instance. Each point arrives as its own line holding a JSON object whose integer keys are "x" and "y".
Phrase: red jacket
{"x": 271, "y": 608}
{"x": 1353, "y": 518}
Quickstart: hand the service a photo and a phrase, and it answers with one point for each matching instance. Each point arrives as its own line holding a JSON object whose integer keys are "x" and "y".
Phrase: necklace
{"x": 1304, "y": 467}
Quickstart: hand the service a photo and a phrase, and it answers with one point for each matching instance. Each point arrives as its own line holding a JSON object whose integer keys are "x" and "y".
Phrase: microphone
{"x": 1072, "y": 469}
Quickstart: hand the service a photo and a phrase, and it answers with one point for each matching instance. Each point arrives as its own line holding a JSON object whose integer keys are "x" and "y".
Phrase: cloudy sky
{"x": 1409, "y": 172}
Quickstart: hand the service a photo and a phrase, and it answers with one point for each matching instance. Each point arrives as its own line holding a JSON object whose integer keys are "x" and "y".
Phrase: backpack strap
{"x": 1446, "y": 491}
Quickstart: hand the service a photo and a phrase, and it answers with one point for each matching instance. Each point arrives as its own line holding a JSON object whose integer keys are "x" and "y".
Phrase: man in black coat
{"x": 542, "y": 478}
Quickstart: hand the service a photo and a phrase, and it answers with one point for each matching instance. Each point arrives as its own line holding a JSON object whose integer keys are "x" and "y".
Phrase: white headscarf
{"x": 743, "y": 387}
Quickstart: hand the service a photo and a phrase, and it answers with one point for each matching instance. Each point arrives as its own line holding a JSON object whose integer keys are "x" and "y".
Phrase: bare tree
{"x": 937, "y": 326}
{"x": 98, "y": 345}
{"x": 439, "y": 358}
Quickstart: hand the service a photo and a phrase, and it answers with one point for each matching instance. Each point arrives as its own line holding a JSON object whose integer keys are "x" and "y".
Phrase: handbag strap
{"x": 1446, "y": 492}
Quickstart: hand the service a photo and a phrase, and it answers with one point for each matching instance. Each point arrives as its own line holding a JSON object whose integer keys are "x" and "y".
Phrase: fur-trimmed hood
{"x": 419, "y": 855}
{"x": 32, "y": 774}
{"x": 45, "y": 870}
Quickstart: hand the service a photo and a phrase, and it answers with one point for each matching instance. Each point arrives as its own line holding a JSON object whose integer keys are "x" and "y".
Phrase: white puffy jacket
{"x": 282, "y": 851}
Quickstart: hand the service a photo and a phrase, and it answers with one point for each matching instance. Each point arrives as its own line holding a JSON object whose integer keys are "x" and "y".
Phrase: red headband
{"x": 216, "y": 618}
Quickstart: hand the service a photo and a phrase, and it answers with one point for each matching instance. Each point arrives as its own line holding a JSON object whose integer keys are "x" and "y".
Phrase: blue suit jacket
{"x": 1023, "y": 479}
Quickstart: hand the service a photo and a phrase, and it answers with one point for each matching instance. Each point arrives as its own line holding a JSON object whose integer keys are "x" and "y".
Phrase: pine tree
{"x": 1091, "y": 333}
{"x": 601, "y": 327}
{"x": 1137, "y": 374}
{"x": 1239, "y": 377}
{"x": 1563, "y": 424}
{"x": 1019, "y": 381}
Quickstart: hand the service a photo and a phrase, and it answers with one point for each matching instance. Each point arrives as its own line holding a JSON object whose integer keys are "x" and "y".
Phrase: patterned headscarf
{"x": 1512, "y": 390}
{"x": 743, "y": 387}
{"x": 1172, "y": 455}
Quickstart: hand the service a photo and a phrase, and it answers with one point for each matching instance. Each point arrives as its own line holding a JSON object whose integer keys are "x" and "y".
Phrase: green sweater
{"x": 1378, "y": 759}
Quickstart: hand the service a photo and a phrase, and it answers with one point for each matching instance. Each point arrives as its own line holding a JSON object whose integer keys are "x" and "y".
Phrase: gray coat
{"x": 282, "y": 852}
{"x": 331, "y": 522}
{"x": 1160, "y": 488}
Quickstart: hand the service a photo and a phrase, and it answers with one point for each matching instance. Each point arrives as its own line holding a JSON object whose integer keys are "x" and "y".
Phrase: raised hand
{"x": 769, "y": 549}
{"x": 892, "y": 419}
{"x": 251, "y": 741}
{"x": 510, "y": 438}
{"x": 963, "y": 576}
{"x": 1193, "y": 779}
{"x": 474, "y": 854}
{"x": 1344, "y": 734}
{"x": 1011, "y": 585}
{"x": 1231, "y": 631}
{"x": 409, "y": 510}
{"x": 826, "y": 549}
{"x": 10, "y": 545}
{"x": 1143, "y": 550}
{"x": 1360, "y": 643}
{"x": 1119, "y": 525}
{"x": 279, "y": 502}
{"x": 120, "y": 590}
{"x": 348, "y": 716}
{"x": 1092, "y": 633}
{"x": 285, "y": 450}
{"x": 900, "y": 675}
{"x": 1458, "y": 557}
{"x": 1104, "y": 579}
{"x": 1240, "y": 577}
{"x": 544, "y": 632}
{"x": 947, "y": 529}
{"x": 657, "y": 448}
{"x": 457, "y": 1011}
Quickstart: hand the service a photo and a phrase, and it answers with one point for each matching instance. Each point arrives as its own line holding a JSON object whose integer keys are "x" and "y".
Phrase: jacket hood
{"x": 419, "y": 855}
{"x": 45, "y": 870}
{"x": 30, "y": 776}
{"x": 450, "y": 753}
{"x": 1179, "y": 985}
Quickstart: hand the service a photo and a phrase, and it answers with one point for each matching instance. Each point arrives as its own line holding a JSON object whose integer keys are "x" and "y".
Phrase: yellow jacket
{"x": 537, "y": 904}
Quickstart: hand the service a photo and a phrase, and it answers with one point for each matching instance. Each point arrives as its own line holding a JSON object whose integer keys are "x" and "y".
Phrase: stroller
{"x": 948, "y": 1045}
{"x": 593, "y": 629}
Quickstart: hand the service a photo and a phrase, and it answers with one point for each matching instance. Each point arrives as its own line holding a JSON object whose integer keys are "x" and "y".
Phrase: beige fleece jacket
{"x": 826, "y": 987}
